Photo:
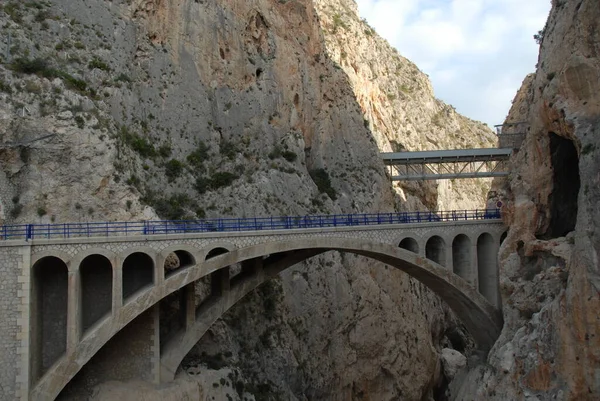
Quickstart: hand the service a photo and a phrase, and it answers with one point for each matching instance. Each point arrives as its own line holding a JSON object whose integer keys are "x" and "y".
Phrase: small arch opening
{"x": 487, "y": 269}
{"x": 435, "y": 249}
{"x": 259, "y": 72}
{"x": 215, "y": 252}
{"x": 503, "y": 237}
{"x": 48, "y": 315}
{"x": 461, "y": 256}
{"x": 178, "y": 260}
{"x": 138, "y": 273}
{"x": 410, "y": 244}
{"x": 96, "y": 276}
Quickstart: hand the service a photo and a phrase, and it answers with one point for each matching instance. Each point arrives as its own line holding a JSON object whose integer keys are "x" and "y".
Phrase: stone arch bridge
{"x": 64, "y": 299}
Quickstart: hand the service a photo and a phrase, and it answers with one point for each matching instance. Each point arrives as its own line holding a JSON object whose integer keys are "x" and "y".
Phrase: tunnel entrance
{"x": 49, "y": 300}
{"x": 96, "y": 289}
{"x": 565, "y": 187}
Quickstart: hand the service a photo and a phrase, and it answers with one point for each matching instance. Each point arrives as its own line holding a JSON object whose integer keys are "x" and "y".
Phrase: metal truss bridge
{"x": 447, "y": 164}
{"x": 458, "y": 163}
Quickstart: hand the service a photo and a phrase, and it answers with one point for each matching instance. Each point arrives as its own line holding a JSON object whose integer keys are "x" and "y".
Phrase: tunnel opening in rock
{"x": 49, "y": 300}
{"x": 435, "y": 249}
{"x": 138, "y": 273}
{"x": 565, "y": 187}
{"x": 96, "y": 289}
{"x": 461, "y": 256}
{"x": 410, "y": 244}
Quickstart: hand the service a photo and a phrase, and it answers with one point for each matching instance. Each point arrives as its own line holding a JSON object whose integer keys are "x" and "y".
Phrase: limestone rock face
{"x": 186, "y": 109}
{"x": 399, "y": 105}
{"x": 550, "y": 346}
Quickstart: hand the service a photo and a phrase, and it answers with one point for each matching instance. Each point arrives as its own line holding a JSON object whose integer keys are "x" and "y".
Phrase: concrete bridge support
{"x": 132, "y": 354}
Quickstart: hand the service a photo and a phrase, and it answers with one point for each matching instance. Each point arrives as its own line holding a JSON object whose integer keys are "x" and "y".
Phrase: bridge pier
{"x": 73, "y": 312}
{"x": 189, "y": 294}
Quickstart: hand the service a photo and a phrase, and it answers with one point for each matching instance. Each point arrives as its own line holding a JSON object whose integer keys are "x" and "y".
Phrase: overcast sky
{"x": 476, "y": 52}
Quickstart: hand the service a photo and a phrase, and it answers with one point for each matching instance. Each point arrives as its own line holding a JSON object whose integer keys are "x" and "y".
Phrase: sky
{"x": 476, "y": 52}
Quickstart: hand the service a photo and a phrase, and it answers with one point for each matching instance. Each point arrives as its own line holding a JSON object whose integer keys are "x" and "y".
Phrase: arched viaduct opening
{"x": 487, "y": 269}
{"x": 479, "y": 317}
{"x": 435, "y": 249}
{"x": 138, "y": 273}
{"x": 48, "y": 314}
{"x": 96, "y": 275}
{"x": 461, "y": 256}
{"x": 410, "y": 244}
{"x": 177, "y": 261}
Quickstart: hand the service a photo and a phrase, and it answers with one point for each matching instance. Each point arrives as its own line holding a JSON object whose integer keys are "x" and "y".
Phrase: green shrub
{"x": 165, "y": 150}
{"x": 218, "y": 180}
{"x": 197, "y": 157}
{"x": 80, "y": 122}
{"x": 171, "y": 208}
{"x": 16, "y": 210}
{"x": 99, "y": 64}
{"x": 228, "y": 149}
{"x": 173, "y": 169}
{"x": 41, "y": 16}
{"x": 27, "y": 66}
{"x": 41, "y": 211}
{"x": 137, "y": 143}
{"x": 222, "y": 179}
{"x": 5, "y": 87}
{"x": 323, "y": 182}
{"x": 289, "y": 156}
{"x": 40, "y": 67}
{"x": 123, "y": 78}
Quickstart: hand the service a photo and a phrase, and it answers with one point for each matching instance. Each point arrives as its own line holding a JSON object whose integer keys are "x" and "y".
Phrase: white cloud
{"x": 476, "y": 52}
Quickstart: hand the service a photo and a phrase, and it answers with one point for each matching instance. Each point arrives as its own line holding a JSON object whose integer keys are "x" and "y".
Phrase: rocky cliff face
{"x": 183, "y": 109}
{"x": 550, "y": 345}
{"x": 399, "y": 106}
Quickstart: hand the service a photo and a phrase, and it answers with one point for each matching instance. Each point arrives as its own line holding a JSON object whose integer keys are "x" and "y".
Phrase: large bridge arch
{"x": 480, "y": 318}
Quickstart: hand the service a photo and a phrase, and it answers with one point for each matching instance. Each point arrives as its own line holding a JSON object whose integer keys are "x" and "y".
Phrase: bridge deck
{"x": 446, "y": 156}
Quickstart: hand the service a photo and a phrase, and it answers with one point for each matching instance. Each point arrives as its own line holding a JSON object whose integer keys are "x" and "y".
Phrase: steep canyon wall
{"x": 550, "y": 346}
{"x": 193, "y": 108}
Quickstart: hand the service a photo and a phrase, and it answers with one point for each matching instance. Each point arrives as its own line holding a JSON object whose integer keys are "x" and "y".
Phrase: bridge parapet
{"x": 126, "y": 229}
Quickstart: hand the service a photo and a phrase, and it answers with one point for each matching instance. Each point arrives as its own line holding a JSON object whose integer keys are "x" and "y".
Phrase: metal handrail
{"x": 106, "y": 229}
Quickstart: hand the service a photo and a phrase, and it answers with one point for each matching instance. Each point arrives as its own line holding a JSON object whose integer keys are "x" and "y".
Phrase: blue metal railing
{"x": 105, "y": 229}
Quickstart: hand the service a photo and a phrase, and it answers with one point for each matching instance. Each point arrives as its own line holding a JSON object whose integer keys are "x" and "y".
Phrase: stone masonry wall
{"x": 11, "y": 294}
